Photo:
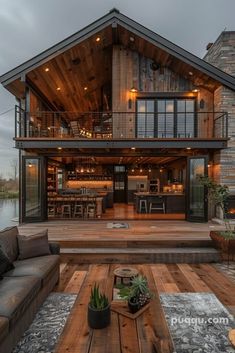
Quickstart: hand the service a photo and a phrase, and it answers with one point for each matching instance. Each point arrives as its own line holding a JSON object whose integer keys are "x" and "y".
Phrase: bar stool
{"x": 66, "y": 210}
{"x": 52, "y": 209}
{"x": 157, "y": 205}
{"x": 91, "y": 210}
{"x": 143, "y": 206}
{"x": 78, "y": 210}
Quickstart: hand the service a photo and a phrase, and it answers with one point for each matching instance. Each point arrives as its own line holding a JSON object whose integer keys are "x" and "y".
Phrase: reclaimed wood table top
{"x": 148, "y": 333}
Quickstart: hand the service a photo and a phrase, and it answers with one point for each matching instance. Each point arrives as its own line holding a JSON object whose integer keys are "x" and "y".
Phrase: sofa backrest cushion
{"x": 8, "y": 242}
{"x": 33, "y": 245}
{"x": 5, "y": 263}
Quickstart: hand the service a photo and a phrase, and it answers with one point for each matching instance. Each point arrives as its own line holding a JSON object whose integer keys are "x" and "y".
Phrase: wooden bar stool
{"x": 91, "y": 210}
{"x": 66, "y": 210}
{"x": 143, "y": 206}
{"x": 78, "y": 210}
{"x": 52, "y": 209}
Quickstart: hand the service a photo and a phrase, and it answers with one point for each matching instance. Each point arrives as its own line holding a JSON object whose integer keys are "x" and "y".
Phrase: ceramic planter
{"x": 98, "y": 319}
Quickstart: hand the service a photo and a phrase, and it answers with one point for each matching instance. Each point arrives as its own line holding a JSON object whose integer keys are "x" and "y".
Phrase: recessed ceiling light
{"x": 58, "y": 88}
{"x": 190, "y": 73}
{"x": 85, "y": 88}
{"x": 98, "y": 39}
{"x": 47, "y": 69}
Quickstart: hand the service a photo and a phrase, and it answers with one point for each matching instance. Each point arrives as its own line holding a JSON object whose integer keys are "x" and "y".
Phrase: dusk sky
{"x": 28, "y": 27}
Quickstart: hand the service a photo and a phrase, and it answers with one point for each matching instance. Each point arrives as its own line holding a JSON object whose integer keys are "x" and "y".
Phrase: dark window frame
{"x": 169, "y": 96}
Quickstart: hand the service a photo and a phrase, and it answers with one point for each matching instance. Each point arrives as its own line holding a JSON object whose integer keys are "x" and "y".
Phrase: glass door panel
{"x": 33, "y": 195}
{"x": 196, "y": 193}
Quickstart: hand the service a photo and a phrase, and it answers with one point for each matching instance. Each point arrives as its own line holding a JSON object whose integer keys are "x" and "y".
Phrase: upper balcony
{"x": 122, "y": 129}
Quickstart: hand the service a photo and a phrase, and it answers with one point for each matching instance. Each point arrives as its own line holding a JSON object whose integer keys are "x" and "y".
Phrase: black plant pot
{"x": 98, "y": 319}
{"x": 133, "y": 306}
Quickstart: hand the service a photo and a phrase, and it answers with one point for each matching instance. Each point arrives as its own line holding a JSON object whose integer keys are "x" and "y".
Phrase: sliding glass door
{"x": 197, "y": 205}
{"x": 33, "y": 189}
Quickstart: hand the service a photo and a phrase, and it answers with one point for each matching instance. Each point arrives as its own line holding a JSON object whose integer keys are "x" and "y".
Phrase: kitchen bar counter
{"x": 174, "y": 202}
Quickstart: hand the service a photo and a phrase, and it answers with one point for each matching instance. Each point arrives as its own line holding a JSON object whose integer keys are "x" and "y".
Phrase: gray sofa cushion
{"x": 4, "y": 327}
{"x": 5, "y": 263}
{"x": 33, "y": 245}
{"x": 8, "y": 242}
{"x": 16, "y": 294}
{"x": 39, "y": 267}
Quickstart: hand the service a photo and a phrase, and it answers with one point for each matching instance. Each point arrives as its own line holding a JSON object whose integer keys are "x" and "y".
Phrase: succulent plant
{"x": 98, "y": 300}
{"x": 137, "y": 292}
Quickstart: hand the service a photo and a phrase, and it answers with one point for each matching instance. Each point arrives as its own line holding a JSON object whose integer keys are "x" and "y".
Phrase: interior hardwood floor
{"x": 169, "y": 278}
{"x": 122, "y": 211}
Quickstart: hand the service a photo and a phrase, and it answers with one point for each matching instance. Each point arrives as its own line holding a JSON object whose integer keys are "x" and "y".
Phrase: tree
{"x": 14, "y": 167}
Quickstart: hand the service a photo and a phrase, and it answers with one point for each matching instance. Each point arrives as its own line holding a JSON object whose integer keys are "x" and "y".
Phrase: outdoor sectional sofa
{"x": 24, "y": 288}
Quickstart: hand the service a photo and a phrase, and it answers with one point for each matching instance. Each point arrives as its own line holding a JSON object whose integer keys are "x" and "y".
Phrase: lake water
{"x": 9, "y": 210}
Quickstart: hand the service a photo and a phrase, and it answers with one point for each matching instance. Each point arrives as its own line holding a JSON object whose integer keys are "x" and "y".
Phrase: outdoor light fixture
{"x": 133, "y": 90}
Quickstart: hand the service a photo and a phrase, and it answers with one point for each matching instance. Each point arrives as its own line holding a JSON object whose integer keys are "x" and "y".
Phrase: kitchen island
{"x": 173, "y": 202}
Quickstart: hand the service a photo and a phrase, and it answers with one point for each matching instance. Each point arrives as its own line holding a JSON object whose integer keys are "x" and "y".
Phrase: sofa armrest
{"x": 54, "y": 248}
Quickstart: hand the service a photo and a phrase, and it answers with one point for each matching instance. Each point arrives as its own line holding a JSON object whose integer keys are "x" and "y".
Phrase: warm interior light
{"x": 133, "y": 89}
{"x": 208, "y": 165}
{"x": 58, "y": 88}
{"x": 150, "y": 170}
{"x": 30, "y": 165}
{"x": 97, "y": 39}
{"x": 161, "y": 170}
{"x": 195, "y": 90}
{"x": 133, "y": 148}
{"x": 85, "y": 88}
{"x": 132, "y": 39}
{"x": 59, "y": 148}
{"x": 132, "y": 170}
{"x": 190, "y": 73}
{"x": 141, "y": 170}
{"x": 47, "y": 69}
{"x": 188, "y": 148}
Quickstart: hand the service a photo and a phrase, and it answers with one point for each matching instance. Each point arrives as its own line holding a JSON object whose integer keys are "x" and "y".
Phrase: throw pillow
{"x": 33, "y": 245}
{"x": 5, "y": 263}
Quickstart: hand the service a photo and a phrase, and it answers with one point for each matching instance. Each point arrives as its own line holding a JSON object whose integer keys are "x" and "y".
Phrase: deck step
{"x": 141, "y": 255}
{"x": 140, "y": 243}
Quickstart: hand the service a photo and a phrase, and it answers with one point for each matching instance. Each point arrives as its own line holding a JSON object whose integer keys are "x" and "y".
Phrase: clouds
{"x": 28, "y": 27}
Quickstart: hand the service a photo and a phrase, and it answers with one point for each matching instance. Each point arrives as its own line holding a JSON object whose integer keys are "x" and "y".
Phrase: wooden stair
{"x": 139, "y": 251}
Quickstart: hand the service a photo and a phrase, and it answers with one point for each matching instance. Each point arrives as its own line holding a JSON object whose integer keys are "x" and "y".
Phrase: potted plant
{"x": 98, "y": 309}
{"x": 137, "y": 294}
{"x": 223, "y": 240}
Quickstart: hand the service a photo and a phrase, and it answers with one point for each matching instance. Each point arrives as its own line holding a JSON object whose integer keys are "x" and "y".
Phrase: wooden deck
{"x": 142, "y": 242}
{"x": 145, "y": 230}
{"x": 172, "y": 278}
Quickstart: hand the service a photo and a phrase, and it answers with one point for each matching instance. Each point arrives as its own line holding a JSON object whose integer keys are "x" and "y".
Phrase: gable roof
{"x": 113, "y": 18}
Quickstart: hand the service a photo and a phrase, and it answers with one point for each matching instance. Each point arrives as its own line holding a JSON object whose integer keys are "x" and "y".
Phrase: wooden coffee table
{"x": 147, "y": 333}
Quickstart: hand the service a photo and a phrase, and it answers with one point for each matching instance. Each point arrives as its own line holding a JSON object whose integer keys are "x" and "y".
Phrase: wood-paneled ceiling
{"x": 131, "y": 161}
{"x": 79, "y": 79}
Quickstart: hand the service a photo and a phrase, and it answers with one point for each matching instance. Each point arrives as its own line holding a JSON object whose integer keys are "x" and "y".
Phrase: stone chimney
{"x": 222, "y": 53}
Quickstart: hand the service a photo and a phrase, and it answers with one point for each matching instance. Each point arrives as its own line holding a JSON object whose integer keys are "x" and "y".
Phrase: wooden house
{"x": 117, "y": 117}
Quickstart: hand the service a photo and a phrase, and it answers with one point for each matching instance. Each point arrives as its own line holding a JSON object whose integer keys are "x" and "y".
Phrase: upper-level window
{"x": 166, "y": 118}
